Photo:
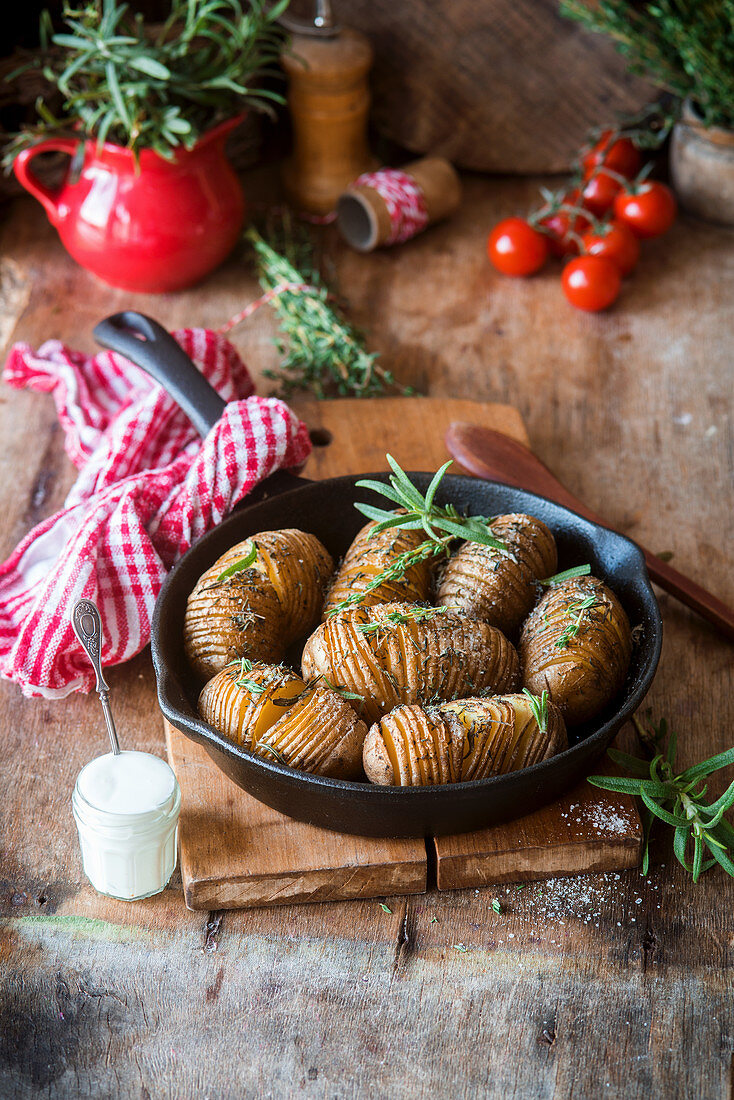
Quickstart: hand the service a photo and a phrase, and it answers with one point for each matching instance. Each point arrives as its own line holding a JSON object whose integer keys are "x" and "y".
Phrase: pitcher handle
{"x": 47, "y": 196}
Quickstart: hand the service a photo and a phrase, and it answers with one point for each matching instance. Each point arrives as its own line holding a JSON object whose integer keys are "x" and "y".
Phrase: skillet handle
{"x": 147, "y": 344}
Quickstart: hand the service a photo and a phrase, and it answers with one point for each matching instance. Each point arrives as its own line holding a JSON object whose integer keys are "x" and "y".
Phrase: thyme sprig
{"x": 418, "y": 511}
{"x": 402, "y": 563}
{"x": 566, "y": 575}
{"x": 539, "y": 707}
{"x": 401, "y": 618}
{"x": 321, "y": 351}
{"x": 579, "y": 609}
{"x": 677, "y": 798}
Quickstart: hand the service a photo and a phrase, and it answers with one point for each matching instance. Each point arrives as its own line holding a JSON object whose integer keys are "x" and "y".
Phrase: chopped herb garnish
{"x": 398, "y": 569}
{"x": 401, "y": 618}
{"x": 236, "y": 567}
{"x": 385, "y": 908}
{"x": 244, "y": 681}
{"x": 459, "y": 947}
{"x": 579, "y": 609}
{"x": 264, "y": 746}
{"x": 496, "y": 905}
{"x": 344, "y": 692}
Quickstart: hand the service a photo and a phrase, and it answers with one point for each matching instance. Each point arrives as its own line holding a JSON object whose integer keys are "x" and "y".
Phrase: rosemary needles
{"x": 677, "y": 798}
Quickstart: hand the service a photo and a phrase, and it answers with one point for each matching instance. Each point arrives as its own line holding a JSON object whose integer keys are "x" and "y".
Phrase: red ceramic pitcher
{"x": 157, "y": 226}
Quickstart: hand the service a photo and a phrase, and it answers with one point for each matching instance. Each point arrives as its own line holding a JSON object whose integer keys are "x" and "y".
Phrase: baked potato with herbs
{"x": 270, "y": 711}
{"x": 395, "y": 653}
{"x": 371, "y": 554}
{"x": 497, "y": 586}
{"x": 255, "y": 600}
{"x": 577, "y": 645}
{"x": 462, "y": 740}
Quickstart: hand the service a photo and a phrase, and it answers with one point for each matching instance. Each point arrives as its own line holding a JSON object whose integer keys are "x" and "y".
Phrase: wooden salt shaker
{"x": 329, "y": 100}
{"x": 364, "y": 216}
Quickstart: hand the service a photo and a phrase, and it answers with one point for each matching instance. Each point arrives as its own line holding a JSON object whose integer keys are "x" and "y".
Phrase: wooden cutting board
{"x": 237, "y": 852}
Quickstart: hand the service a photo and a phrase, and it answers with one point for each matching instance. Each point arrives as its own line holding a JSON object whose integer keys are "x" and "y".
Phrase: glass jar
{"x": 128, "y": 854}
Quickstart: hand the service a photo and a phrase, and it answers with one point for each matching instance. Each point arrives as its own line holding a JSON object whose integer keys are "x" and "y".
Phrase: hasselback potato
{"x": 244, "y": 700}
{"x": 367, "y": 556}
{"x": 399, "y": 653}
{"x": 268, "y": 710}
{"x": 258, "y": 610}
{"x": 496, "y": 586}
{"x": 462, "y": 740}
{"x": 577, "y": 644}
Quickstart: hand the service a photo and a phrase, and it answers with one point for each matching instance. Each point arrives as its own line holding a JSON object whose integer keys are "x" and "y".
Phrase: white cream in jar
{"x": 126, "y": 808}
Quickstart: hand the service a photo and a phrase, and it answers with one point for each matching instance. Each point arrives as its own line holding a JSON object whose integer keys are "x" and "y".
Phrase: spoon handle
{"x": 87, "y": 623}
{"x": 487, "y": 453}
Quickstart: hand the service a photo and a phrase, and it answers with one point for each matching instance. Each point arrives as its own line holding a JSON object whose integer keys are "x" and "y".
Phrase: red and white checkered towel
{"x": 148, "y": 488}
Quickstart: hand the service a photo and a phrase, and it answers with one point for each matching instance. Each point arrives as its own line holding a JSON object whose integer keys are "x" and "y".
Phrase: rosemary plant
{"x": 154, "y": 89}
{"x": 684, "y": 46}
{"x": 321, "y": 351}
{"x": 677, "y": 798}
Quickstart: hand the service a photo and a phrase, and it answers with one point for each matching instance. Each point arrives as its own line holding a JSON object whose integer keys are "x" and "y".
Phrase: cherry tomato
{"x": 616, "y": 242}
{"x": 560, "y": 223}
{"x": 591, "y": 283}
{"x": 515, "y": 248}
{"x": 600, "y": 192}
{"x": 648, "y": 210}
{"x": 621, "y": 156}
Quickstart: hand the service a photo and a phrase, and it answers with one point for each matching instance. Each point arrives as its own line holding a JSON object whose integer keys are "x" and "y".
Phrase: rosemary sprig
{"x": 579, "y": 608}
{"x": 265, "y": 746}
{"x": 539, "y": 707}
{"x": 401, "y": 618}
{"x": 677, "y": 798}
{"x": 244, "y": 681}
{"x": 403, "y": 562}
{"x": 419, "y": 511}
{"x": 321, "y": 351}
{"x": 236, "y": 567}
{"x": 344, "y": 692}
{"x": 566, "y": 575}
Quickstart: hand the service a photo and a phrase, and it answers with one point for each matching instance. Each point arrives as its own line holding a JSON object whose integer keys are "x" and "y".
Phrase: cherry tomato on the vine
{"x": 616, "y": 242}
{"x": 621, "y": 156}
{"x": 591, "y": 283}
{"x": 561, "y": 223}
{"x": 600, "y": 192}
{"x": 648, "y": 210}
{"x": 515, "y": 248}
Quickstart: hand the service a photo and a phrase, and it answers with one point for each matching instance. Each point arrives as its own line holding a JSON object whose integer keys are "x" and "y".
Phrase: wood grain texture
{"x": 586, "y": 830}
{"x": 576, "y": 988}
{"x": 500, "y": 86}
{"x": 237, "y": 853}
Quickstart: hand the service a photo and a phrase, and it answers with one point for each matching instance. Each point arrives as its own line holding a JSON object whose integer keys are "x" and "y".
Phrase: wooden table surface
{"x": 609, "y": 985}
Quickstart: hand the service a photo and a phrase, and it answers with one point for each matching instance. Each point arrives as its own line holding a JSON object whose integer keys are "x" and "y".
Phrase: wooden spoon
{"x": 486, "y": 453}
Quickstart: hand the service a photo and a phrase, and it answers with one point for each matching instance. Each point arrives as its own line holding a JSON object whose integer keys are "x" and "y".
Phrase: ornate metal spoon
{"x": 87, "y": 623}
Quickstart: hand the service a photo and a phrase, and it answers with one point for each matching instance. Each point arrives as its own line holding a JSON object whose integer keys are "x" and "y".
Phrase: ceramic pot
{"x": 156, "y": 226}
{"x": 702, "y": 167}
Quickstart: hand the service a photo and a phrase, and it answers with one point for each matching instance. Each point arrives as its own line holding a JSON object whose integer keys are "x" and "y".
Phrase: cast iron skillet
{"x": 326, "y": 509}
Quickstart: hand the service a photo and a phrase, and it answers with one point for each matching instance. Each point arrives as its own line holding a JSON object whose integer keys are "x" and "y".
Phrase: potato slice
{"x": 389, "y": 654}
{"x": 499, "y": 587}
{"x": 369, "y": 555}
{"x": 319, "y": 733}
{"x": 244, "y": 701}
{"x": 299, "y": 567}
{"x": 577, "y": 644}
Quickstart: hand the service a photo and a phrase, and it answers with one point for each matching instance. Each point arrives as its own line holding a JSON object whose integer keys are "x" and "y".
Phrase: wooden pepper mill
{"x": 328, "y": 98}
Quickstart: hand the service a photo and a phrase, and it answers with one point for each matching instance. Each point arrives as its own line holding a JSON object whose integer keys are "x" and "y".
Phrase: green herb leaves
{"x": 539, "y": 707}
{"x": 566, "y": 575}
{"x": 243, "y": 667}
{"x": 399, "y": 568}
{"x": 401, "y": 618}
{"x": 240, "y": 565}
{"x": 577, "y": 610}
{"x": 700, "y": 828}
{"x": 421, "y": 511}
{"x": 124, "y": 83}
{"x": 321, "y": 351}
